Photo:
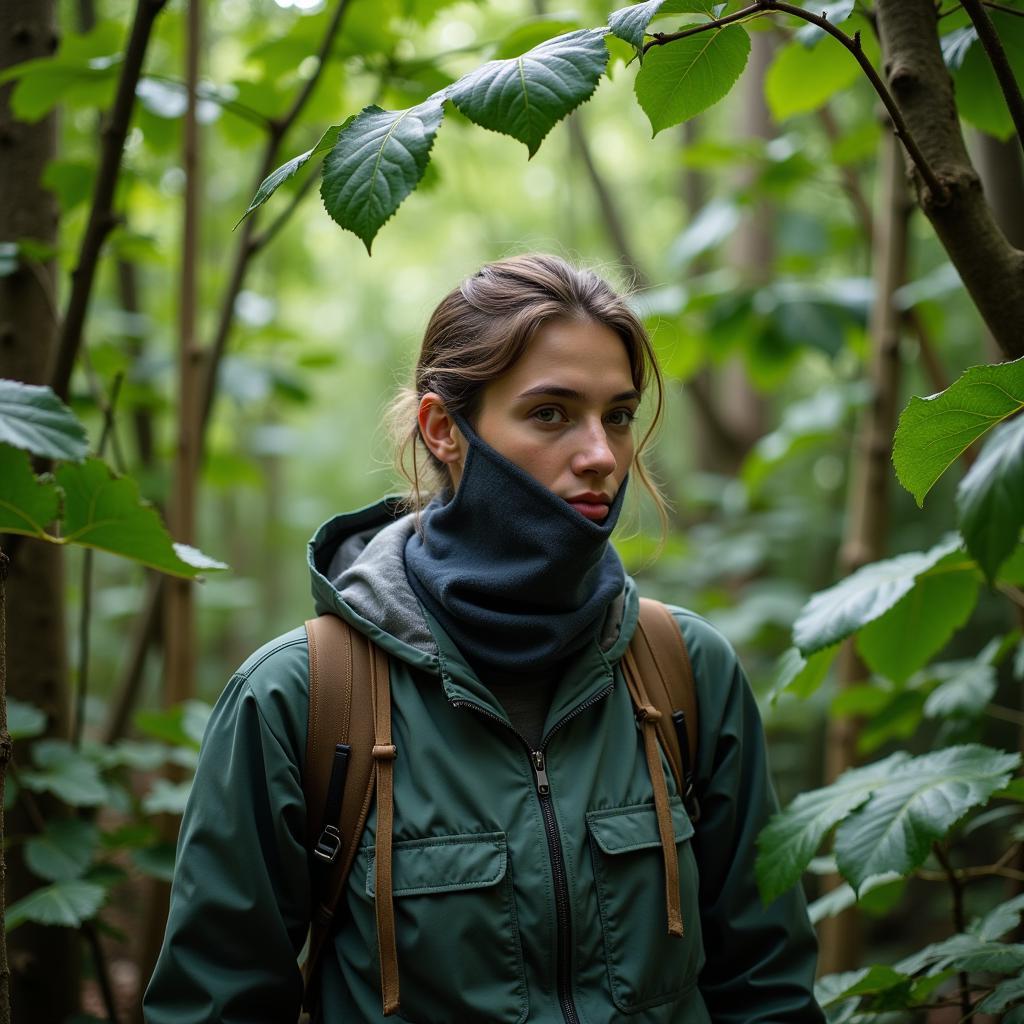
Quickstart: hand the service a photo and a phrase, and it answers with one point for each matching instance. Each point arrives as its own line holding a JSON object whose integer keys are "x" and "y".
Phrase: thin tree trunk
{"x": 5, "y": 760}
{"x": 1002, "y": 175}
{"x": 867, "y": 524}
{"x": 751, "y": 249}
{"x": 179, "y": 600}
{"x": 44, "y": 979}
{"x": 992, "y": 269}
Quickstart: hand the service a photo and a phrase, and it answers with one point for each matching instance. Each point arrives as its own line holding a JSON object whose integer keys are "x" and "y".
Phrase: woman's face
{"x": 564, "y": 413}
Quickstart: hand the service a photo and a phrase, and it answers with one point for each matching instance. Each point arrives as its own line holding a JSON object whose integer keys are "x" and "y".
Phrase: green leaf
{"x": 990, "y": 498}
{"x": 71, "y": 181}
{"x": 64, "y": 851}
{"x": 788, "y": 842}
{"x": 1012, "y": 791}
{"x": 800, "y": 80}
{"x": 833, "y": 614}
{"x": 955, "y": 45}
{"x": 27, "y": 503}
{"x": 918, "y": 626}
{"x": 275, "y": 179}
{"x": 999, "y": 920}
{"x": 24, "y": 720}
{"x": 933, "y": 431}
{"x": 156, "y": 861}
{"x": 527, "y": 96}
{"x": 63, "y": 771}
{"x": 1005, "y": 993}
{"x": 684, "y": 78}
{"x": 842, "y": 897}
{"x": 378, "y": 159}
{"x": 67, "y": 904}
{"x": 105, "y": 512}
{"x": 966, "y": 692}
{"x": 167, "y": 797}
{"x": 183, "y": 725}
{"x": 1012, "y": 570}
{"x": 917, "y": 803}
{"x": 979, "y": 98}
{"x": 35, "y": 419}
{"x": 801, "y": 676}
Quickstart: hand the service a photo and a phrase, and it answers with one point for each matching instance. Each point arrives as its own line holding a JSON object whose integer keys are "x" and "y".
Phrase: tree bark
{"x": 43, "y": 960}
{"x": 991, "y": 268}
{"x": 1002, "y": 176}
{"x": 866, "y": 530}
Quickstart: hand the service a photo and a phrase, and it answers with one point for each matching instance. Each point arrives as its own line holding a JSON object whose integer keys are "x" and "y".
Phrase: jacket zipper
{"x": 563, "y": 919}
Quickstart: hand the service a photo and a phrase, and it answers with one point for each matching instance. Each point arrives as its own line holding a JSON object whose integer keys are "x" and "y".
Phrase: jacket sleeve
{"x": 760, "y": 961}
{"x": 240, "y": 897}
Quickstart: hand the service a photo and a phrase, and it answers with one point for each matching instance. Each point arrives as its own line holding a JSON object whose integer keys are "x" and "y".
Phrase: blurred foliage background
{"x": 745, "y": 236}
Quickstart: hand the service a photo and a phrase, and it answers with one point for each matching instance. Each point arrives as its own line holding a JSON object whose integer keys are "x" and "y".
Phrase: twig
{"x": 1005, "y": 714}
{"x": 101, "y": 212}
{"x": 1002, "y": 8}
{"x": 1000, "y": 63}
{"x": 85, "y": 616}
{"x": 1015, "y": 594}
{"x": 851, "y": 43}
{"x": 266, "y": 236}
{"x": 102, "y": 972}
{"x": 245, "y": 248}
{"x": 959, "y": 920}
{"x": 246, "y": 113}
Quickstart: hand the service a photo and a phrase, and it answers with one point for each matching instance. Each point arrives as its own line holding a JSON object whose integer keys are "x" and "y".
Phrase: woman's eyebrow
{"x": 557, "y": 391}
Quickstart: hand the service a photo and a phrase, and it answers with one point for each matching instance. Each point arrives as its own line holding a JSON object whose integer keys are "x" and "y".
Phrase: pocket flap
{"x": 444, "y": 864}
{"x": 624, "y": 829}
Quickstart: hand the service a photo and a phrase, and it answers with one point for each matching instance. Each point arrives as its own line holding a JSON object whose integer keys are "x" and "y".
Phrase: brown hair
{"x": 482, "y": 327}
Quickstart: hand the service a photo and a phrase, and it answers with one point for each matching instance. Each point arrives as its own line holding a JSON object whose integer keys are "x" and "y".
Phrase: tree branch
{"x": 852, "y": 43}
{"x": 1000, "y": 64}
{"x": 248, "y": 242}
{"x": 959, "y": 920}
{"x": 101, "y": 212}
{"x": 991, "y": 267}
{"x": 1003, "y": 8}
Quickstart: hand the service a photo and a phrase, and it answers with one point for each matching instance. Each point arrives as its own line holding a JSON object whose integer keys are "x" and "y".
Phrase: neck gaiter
{"x": 516, "y": 576}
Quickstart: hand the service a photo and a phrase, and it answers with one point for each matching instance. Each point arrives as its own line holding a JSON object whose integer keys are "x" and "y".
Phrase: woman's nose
{"x": 595, "y": 454}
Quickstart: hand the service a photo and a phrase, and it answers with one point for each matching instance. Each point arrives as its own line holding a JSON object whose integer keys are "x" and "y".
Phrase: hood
{"x": 357, "y": 567}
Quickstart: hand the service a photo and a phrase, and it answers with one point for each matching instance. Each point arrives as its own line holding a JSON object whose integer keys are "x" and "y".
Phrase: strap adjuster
{"x": 328, "y": 845}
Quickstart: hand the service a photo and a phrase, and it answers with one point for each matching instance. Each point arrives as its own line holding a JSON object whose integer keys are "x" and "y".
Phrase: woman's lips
{"x": 596, "y": 511}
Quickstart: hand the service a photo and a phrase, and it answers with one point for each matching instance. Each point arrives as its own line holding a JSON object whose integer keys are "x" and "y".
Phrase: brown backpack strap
{"x": 339, "y": 713}
{"x": 664, "y": 665}
{"x": 660, "y": 680}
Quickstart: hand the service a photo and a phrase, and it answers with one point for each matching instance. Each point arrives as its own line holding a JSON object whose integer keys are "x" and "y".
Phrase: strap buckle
{"x": 328, "y": 845}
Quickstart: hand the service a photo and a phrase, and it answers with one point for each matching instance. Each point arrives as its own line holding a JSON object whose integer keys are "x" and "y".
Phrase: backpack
{"x": 349, "y": 755}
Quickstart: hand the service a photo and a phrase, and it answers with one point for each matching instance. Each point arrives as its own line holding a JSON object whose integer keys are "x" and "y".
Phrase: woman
{"x": 504, "y": 612}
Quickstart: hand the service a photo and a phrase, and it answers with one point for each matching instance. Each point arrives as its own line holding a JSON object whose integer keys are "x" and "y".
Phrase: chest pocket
{"x": 459, "y": 955}
{"x": 646, "y": 966}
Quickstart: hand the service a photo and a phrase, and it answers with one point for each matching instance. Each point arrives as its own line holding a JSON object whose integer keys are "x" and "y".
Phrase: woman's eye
{"x": 548, "y": 414}
{"x": 621, "y": 417}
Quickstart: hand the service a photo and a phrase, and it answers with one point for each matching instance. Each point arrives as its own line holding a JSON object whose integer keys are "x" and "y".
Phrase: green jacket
{"x": 510, "y": 906}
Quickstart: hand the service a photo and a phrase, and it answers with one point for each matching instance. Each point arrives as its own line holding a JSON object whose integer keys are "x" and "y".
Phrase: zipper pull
{"x": 540, "y": 772}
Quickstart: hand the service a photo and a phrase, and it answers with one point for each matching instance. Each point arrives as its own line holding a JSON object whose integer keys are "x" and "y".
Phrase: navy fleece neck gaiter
{"x": 516, "y": 576}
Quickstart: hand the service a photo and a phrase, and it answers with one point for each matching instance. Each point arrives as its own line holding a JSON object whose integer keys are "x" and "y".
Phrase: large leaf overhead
{"x": 35, "y": 419}
{"x": 990, "y": 499}
{"x": 103, "y": 511}
{"x": 934, "y": 431}
{"x": 526, "y": 96}
{"x": 919, "y": 801}
{"x": 378, "y": 159}
{"x": 681, "y": 79}
{"x": 833, "y": 614}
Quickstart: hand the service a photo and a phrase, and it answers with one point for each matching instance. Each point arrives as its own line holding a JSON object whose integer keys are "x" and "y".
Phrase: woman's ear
{"x": 440, "y": 434}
